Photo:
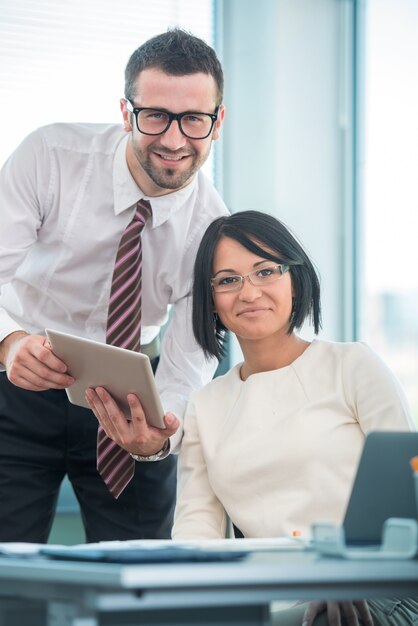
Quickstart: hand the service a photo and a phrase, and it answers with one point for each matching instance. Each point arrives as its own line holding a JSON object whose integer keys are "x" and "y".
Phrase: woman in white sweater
{"x": 274, "y": 444}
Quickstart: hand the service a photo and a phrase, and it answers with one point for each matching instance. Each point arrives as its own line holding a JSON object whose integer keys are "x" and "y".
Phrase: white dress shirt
{"x": 278, "y": 451}
{"x": 66, "y": 196}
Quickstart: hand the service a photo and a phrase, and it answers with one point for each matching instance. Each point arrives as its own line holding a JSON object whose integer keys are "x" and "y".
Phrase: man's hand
{"x": 354, "y": 613}
{"x": 31, "y": 364}
{"x": 134, "y": 436}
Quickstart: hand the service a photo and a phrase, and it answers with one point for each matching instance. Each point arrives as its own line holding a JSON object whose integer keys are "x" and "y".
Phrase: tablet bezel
{"x": 120, "y": 371}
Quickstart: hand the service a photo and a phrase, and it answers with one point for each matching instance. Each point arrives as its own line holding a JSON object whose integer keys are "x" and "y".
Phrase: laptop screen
{"x": 383, "y": 486}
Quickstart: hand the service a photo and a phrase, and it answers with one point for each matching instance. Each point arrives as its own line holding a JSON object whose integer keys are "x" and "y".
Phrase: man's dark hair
{"x": 176, "y": 53}
{"x": 269, "y": 238}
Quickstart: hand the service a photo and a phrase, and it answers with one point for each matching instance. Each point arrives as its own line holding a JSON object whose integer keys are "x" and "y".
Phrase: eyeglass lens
{"x": 193, "y": 125}
{"x": 262, "y": 276}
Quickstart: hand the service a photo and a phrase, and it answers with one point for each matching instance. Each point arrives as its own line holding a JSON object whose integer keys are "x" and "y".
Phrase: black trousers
{"x": 42, "y": 438}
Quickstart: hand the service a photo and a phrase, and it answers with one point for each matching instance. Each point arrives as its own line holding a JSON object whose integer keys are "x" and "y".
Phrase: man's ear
{"x": 126, "y": 115}
{"x": 218, "y": 123}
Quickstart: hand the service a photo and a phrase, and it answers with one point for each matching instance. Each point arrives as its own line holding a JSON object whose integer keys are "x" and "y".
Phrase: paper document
{"x": 16, "y": 549}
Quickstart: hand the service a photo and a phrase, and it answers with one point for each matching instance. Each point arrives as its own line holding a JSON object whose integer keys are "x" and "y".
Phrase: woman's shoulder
{"x": 355, "y": 349}
{"x": 350, "y": 356}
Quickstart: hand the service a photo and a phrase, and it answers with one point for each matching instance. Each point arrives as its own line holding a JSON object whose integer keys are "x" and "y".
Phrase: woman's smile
{"x": 253, "y": 311}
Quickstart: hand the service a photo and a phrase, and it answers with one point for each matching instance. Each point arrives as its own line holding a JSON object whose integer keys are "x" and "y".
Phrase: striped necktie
{"x": 114, "y": 464}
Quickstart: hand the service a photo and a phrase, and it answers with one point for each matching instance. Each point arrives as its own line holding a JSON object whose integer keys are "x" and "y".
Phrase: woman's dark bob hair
{"x": 267, "y": 237}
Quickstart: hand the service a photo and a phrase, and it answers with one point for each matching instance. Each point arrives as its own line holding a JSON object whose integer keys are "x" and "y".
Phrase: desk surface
{"x": 280, "y": 575}
{"x": 238, "y": 593}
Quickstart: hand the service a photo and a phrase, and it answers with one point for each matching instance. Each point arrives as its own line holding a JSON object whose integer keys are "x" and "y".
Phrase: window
{"x": 389, "y": 314}
{"x": 64, "y": 61}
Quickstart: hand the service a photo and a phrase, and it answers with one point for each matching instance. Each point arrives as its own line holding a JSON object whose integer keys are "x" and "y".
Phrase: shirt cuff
{"x": 158, "y": 456}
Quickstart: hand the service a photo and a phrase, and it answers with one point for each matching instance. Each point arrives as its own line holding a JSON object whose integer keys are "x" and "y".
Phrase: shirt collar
{"x": 127, "y": 193}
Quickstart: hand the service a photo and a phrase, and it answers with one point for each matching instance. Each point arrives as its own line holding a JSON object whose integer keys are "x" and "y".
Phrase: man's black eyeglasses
{"x": 193, "y": 124}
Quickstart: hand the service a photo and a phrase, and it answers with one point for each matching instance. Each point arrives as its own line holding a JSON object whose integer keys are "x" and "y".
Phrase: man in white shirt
{"x": 66, "y": 196}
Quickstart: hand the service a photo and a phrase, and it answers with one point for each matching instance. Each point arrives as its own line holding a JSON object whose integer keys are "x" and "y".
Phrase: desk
{"x": 193, "y": 594}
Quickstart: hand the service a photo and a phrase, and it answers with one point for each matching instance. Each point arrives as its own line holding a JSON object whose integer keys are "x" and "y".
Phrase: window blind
{"x": 65, "y": 61}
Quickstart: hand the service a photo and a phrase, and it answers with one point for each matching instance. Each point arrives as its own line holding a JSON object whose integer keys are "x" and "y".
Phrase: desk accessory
{"x": 399, "y": 541}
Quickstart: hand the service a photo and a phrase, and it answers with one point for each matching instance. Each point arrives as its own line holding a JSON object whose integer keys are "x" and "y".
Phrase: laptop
{"x": 383, "y": 486}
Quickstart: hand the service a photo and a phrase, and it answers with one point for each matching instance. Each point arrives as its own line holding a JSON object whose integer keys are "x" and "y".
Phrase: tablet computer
{"x": 119, "y": 371}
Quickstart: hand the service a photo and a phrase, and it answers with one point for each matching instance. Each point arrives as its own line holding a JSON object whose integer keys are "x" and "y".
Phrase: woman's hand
{"x": 134, "y": 435}
{"x": 354, "y": 613}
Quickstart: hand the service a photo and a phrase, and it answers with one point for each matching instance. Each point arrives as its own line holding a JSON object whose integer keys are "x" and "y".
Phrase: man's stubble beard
{"x": 167, "y": 178}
